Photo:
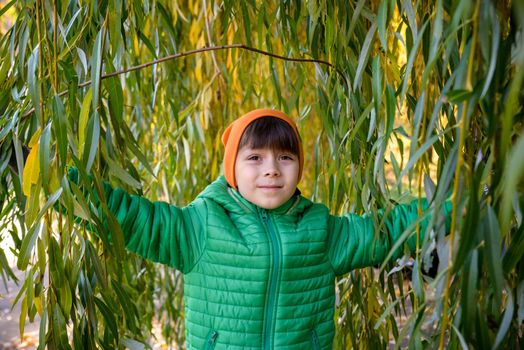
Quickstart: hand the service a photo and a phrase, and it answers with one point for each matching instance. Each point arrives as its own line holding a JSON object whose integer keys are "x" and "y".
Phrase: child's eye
{"x": 253, "y": 157}
{"x": 286, "y": 157}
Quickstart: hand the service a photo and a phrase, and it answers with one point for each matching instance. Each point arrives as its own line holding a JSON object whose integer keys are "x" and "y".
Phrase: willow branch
{"x": 464, "y": 127}
{"x": 205, "y": 49}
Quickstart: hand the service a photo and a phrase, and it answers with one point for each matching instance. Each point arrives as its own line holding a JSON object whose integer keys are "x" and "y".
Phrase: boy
{"x": 259, "y": 259}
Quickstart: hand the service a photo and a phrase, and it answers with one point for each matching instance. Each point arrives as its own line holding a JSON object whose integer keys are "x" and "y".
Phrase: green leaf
{"x": 132, "y": 344}
{"x": 121, "y": 174}
{"x": 372, "y": 124}
{"x": 408, "y": 8}
{"x": 437, "y": 31}
{"x": 416, "y": 155}
{"x": 147, "y": 42}
{"x": 513, "y": 173}
{"x": 56, "y": 266}
{"x": 117, "y": 237}
{"x": 495, "y": 40}
{"x": 377, "y": 82}
{"x": 97, "y": 266}
{"x": 115, "y": 23}
{"x": 42, "y": 261}
{"x": 364, "y": 55}
{"x": 246, "y": 22}
{"x": 32, "y": 79}
{"x": 515, "y": 250}
{"x": 354, "y": 18}
{"x": 462, "y": 341}
{"x": 116, "y": 98}
{"x": 108, "y": 315}
{"x": 506, "y": 320}
{"x": 386, "y": 313}
{"x": 5, "y": 268}
{"x": 137, "y": 153}
{"x": 381, "y": 20}
{"x": 30, "y": 238}
{"x": 329, "y": 34}
{"x": 493, "y": 253}
{"x": 10, "y": 123}
{"x": 418, "y": 285}
{"x": 83, "y": 59}
{"x": 459, "y": 95}
{"x": 60, "y": 127}
{"x": 45, "y": 154}
{"x": 411, "y": 61}
{"x": 93, "y": 136}
{"x": 42, "y": 329}
{"x": 27, "y": 246}
{"x": 469, "y": 291}
{"x": 126, "y": 303}
{"x": 168, "y": 23}
{"x": 59, "y": 328}
{"x": 390, "y": 110}
{"x": 417, "y": 123}
{"x": 66, "y": 299}
{"x": 96, "y": 67}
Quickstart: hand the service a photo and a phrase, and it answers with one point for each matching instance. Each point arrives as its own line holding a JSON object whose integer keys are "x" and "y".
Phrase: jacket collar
{"x": 231, "y": 200}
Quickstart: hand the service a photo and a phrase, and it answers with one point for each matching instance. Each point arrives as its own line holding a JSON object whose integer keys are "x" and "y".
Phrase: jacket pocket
{"x": 211, "y": 340}
{"x": 314, "y": 340}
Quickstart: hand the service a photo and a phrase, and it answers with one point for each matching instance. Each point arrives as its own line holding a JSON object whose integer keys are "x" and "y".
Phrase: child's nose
{"x": 272, "y": 168}
{"x": 272, "y": 172}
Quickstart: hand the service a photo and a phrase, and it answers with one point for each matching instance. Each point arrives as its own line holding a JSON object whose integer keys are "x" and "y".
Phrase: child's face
{"x": 265, "y": 177}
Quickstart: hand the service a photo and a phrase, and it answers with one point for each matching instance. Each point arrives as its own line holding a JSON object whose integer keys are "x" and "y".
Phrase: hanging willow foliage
{"x": 423, "y": 98}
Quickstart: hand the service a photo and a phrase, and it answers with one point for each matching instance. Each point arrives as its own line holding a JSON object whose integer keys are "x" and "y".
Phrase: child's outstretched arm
{"x": 353, "y": 242}
{"x": 156, "y": 231}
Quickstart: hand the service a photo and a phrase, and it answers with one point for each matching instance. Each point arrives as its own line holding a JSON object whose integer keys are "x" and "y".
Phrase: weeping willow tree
{"x": 395, "y": 100}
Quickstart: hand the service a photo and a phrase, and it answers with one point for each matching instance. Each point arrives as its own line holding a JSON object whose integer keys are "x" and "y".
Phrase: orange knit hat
{"x": 232, "y": 135}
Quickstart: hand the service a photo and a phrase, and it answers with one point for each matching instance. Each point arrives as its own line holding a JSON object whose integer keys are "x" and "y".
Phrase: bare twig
{"x": 204, "y": 49}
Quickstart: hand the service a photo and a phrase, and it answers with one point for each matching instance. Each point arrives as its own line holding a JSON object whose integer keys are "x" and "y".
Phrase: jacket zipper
{"x": 211, "y": 340}
{"x": 275, "y": 252}
{"x": 314, "y": 340}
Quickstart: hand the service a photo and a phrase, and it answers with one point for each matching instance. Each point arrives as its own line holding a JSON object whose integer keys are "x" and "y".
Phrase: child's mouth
{"x": 270, "y": 187}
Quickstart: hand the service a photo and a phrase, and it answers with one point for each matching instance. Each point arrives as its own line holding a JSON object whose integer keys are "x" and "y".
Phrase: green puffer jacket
{"x": 255, "y": 278}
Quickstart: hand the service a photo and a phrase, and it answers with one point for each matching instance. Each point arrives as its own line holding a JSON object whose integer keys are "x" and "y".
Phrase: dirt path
{"x": 9, "y": 318}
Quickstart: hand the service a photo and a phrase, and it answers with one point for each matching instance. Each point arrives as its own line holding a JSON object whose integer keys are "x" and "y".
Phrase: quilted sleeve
{"x": 156, "y": 231}
{"x": 159, "y": 231}
{"x": 354, "y": 243}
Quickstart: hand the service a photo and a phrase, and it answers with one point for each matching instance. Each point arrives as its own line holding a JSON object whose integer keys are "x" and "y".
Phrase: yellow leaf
{"x": 198, "y": 70}
{"x": 194, "y": 32}
{"x": 54, "y": 181}
{"x": 82, "y": 122}
{"x": 229, "y": 60}
{"x": 38, "y": 305}
{"x": 35, "y": 138}
{"x": 31, "y": 170}
{"x": 23, "y": 315}
{"x": 135, "y": 46}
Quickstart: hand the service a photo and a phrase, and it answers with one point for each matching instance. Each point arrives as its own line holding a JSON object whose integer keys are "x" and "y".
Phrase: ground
{"x": 9, "y": 322}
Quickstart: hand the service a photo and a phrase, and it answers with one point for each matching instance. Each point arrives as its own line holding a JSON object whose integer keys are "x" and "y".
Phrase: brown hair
{"x": 270, "y": 132}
